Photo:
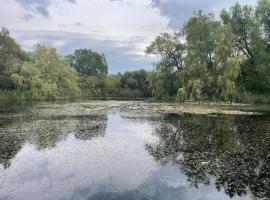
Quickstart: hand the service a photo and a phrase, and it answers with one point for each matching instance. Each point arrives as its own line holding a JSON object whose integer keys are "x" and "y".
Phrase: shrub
{"x": 181, "y": 95}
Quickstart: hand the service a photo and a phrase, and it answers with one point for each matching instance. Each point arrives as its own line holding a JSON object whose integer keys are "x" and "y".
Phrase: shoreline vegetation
{"x": 150, "y": 107}
{"x": 208, "y": 60}
{"x": 9, "y": 97}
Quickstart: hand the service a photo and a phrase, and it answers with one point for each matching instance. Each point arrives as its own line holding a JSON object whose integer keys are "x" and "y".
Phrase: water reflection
{"x": 233, "y": 150}
{"x": 72, "y": 152}
{"x": 10, "y": 145}
{"x": 91, "y": 126}
{"x": 45, "y": 134}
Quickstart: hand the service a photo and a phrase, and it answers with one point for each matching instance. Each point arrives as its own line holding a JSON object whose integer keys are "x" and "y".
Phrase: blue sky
{"x": 121, "y": 29}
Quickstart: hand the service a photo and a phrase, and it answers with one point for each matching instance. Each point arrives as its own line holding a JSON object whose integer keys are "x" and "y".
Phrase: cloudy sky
{"x": 121, "y": 29}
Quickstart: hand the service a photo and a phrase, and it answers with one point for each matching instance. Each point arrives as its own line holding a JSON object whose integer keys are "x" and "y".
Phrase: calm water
{"x": 126, "y": 150}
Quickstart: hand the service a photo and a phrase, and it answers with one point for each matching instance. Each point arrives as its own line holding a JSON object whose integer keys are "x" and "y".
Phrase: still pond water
{"x": 108, "y": 150}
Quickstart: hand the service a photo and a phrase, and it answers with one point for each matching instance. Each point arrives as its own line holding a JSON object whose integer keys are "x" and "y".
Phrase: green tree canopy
{"x": 220, "y": 59}
{"x": 135, "y": 80}
{"x": 88, "y": 62}
{"x": 169, "y": 48}
{"x": 46, "y": 74}
{"x": 11, "y": 56}
{"x": 263, "y": 15}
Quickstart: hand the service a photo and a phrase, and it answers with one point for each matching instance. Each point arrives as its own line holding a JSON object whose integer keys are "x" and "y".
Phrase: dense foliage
{"x": 209, "y": 59}
{"x": 43, "y": 74}
{"x": 227, "y": 59}
{"x": 39, "y": 74}
{"x": 11, "y": 57}
{"x": 129, "y": 85}
{"x": 89, "y": 63}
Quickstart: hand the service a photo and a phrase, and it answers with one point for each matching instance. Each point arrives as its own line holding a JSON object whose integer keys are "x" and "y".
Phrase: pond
{"x": 104, "y": 150}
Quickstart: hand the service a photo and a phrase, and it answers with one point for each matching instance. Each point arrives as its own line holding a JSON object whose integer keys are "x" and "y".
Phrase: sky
{"x": 121, "y": 29}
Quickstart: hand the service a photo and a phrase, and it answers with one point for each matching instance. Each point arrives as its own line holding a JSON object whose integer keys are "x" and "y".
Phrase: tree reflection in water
{"x": 10, "y": 145}
{"x": 45, "y": 133}
{"x": 91, "y": 126}
{"x": 235, "y": 151}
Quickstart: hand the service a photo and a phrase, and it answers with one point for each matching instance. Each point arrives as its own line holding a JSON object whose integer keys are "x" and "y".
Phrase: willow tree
{"x": 200, "y": 59}
{"x": 228, "y": 63}
{"x": 250, "y": 27}
{"x": 241, "y": 20}
{"x": 11, "y": 58}
{"x": 227, "y": 81}
{"x": 46, "y": 74}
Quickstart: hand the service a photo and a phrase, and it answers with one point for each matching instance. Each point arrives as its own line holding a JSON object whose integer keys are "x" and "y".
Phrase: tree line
{"x": 44, "y": 74}
{"x": 208, "y": 59}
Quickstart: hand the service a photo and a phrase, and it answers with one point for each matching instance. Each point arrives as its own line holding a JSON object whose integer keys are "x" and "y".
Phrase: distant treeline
{"x": 208, "y": 59}
{"x": 45, "y": 74}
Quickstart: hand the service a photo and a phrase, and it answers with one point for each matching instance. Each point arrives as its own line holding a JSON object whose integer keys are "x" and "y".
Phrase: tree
{"x": 199, "y": 31}
{"x": 216, "y": 59}
{"x": 263, "y": 54}
{"x": 181, "y": 95}
{"x": 135, "y": 80}
{"x": 250, "y": 34}
{"x": 169, "y": 48}
{"x": 89, "y": 63}
{"x": 200, "y": 60}
{"x": 92, "y": 85}
{"x": 228, "y": 63}
{"x": 11, "y": 57}
{"x": 55, "y": 69}
{"x": 156, "y": 85}
{"x": 243, "y": 24}
{"x": 46, "y": 74}
{"x": 263, "y": 15}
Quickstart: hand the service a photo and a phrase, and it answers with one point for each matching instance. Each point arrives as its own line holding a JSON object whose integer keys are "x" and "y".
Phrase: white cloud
{"x": 119, "y": 28}
{"x": 123, "y": 27}
{"x": 178, "y": 11}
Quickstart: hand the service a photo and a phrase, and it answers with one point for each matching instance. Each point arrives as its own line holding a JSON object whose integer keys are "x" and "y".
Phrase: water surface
{"x": 102, "y": 150}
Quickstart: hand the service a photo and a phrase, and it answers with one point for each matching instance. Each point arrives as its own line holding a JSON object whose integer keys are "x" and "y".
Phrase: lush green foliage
{"x": 181, "y": 95}
{"x": 89, "y": 63}
{"x": 39, "y": 74}
{"x": 43, "y": 73}
{"x": 46, "y": 74}
{"x": 215, "y": 60}
{"x": 11, "y": 57}
{"x": 136, "y": 80}
{"x": 130, "y": 85}
{"x": 163, "y": 81}
{"x": 224, "y": 60}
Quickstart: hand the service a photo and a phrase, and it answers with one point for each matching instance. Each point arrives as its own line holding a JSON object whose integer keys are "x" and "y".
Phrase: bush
{"x": 194, "y": 88}
{"x": 181, "y": 95}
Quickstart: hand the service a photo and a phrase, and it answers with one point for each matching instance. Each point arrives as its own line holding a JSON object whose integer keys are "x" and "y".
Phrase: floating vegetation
{"x": 208, "y": 148}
